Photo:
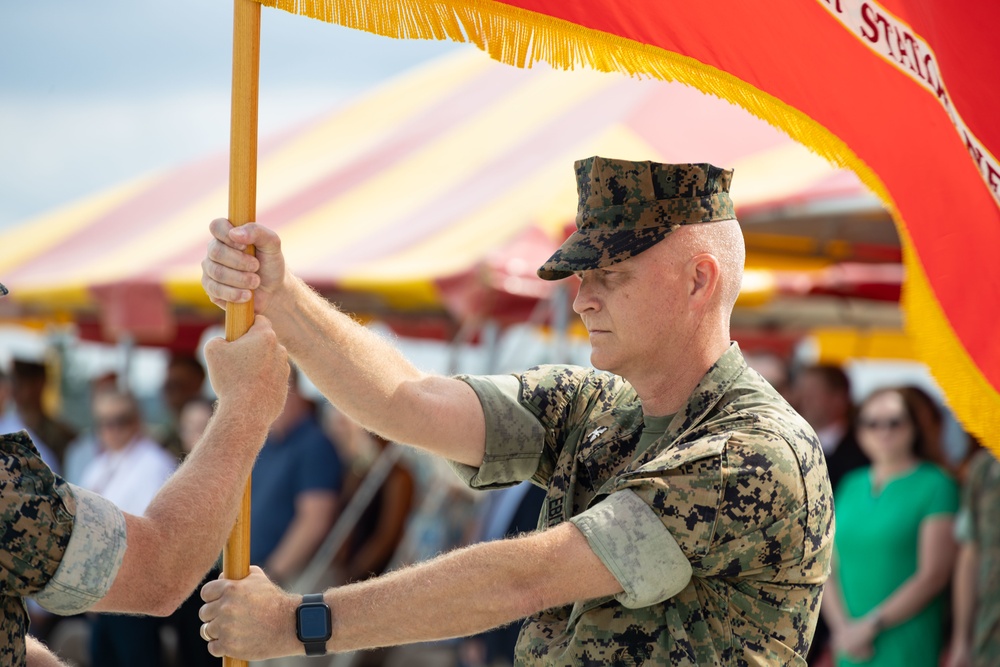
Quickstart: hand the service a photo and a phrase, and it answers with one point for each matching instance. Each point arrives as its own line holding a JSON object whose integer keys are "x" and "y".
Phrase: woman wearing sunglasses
{"x": 894, "y": 545}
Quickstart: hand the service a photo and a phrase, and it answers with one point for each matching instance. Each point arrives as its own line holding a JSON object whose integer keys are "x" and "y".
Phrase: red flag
{"x": 903, "y": 92}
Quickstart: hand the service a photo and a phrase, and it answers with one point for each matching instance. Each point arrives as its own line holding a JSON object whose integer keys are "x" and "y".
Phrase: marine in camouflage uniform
{"x": 728, "y": 498}
{"x": 59, "y": 544}
{"x": 977, "y": 524}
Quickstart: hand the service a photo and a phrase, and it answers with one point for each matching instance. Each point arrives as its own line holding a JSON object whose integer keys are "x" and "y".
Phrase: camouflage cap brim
{"x": 597, "y": 248}
{"x": 626, "y": 207}
{"x": 3, "y": 290}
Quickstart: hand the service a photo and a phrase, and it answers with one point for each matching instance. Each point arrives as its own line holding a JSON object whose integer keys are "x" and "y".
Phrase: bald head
{"x": 722, "y": 240}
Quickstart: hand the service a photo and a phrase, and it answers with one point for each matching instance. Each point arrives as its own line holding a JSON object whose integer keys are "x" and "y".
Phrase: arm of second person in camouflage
{"x": 458, "y": 594}
{"x": 185, "y": 527}
{"x": 150, "y": 564}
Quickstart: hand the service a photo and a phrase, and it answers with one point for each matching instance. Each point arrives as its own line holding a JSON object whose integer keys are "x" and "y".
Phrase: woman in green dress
{"x": 894, "y": 545}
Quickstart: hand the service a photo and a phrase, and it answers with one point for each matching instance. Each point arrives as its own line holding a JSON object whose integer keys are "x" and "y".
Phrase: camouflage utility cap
{"x": 627, "y": 207}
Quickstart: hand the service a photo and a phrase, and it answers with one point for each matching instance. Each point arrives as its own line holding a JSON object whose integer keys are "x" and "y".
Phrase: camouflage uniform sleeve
{"x": 36, "y": 517}
{"x": 637, "y": 549}
{"x": 514, "y": 437}
{"x": 734, "y": 502}
{"x": 92, "y": 558}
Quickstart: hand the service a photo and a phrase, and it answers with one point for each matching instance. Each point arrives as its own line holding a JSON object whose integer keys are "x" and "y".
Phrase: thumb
{"x": 263, "y": 238}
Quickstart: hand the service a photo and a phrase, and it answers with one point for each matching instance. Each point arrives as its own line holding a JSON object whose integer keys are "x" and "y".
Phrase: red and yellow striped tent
{"x": 429, "y": 200}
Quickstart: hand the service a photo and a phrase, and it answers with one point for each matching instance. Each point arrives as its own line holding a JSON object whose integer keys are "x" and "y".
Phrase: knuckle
{"x": 216, "y": 250}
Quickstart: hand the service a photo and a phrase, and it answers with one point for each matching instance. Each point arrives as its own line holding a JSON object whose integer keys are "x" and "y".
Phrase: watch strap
{"x": 315, "y": 648}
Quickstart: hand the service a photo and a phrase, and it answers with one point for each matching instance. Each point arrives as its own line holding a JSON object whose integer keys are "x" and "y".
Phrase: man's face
{"x": 115, "y": 421}
{"x": 631, "y": 310}
{"x": 816, "y": 402}
{"x": 27, "y": 392}
{"x": 180, "y": 386}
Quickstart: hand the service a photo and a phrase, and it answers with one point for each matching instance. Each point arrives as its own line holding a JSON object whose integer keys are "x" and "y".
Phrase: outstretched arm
{"x": 185, "y": 527}
{"x": 315, "y": 512}
{"x": 361, "y": 373}
{"x": 935, "y": 560}
{"x": 461, "y": 593}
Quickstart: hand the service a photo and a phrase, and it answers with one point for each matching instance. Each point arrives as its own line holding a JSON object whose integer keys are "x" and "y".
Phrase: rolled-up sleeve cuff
{"x": 92, "y": 557}
{"x": 636, "y": 548}
{"x": 514, "y": 437}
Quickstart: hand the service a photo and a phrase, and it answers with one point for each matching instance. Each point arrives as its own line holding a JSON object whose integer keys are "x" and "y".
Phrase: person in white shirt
{"x": 131, "y": 467}
{"x": 128, "y": 471}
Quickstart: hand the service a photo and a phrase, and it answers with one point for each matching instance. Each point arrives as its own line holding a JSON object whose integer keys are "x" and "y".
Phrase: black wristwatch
{"x": 313, "y": 624}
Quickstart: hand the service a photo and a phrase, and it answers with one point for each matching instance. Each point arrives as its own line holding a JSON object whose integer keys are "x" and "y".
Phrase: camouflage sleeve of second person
{"x": 62, "y": 545}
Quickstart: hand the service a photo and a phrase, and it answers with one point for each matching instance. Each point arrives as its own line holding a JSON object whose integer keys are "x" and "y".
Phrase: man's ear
{"x": 703, "y": 272}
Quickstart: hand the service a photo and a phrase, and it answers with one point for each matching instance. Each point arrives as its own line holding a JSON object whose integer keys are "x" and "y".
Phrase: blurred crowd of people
{"x": 916, "y": 574}
{"x": 914, "y": 577}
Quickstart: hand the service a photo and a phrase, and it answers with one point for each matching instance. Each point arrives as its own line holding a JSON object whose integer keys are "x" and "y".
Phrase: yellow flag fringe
{"x": 519, "y": 37}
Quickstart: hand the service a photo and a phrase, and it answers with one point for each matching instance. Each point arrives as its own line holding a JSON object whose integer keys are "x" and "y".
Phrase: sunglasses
{"x": 892, "y": 424}
{"x": 116, "y": 422}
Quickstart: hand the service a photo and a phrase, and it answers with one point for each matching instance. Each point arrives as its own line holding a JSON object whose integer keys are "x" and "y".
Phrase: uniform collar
{"x": 709, "y": 391}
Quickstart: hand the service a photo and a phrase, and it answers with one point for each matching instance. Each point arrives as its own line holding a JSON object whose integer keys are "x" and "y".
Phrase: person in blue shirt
{"x": 296, "y": 486}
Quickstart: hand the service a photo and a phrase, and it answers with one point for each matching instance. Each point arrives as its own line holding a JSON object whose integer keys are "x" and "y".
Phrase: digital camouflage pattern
{"x": 978, "y": 523}
{"x": 626, "y": 207}
{"x": 739, "y": 480}
{"x": 36, "y": 523}
{"x": 92, "y": 558}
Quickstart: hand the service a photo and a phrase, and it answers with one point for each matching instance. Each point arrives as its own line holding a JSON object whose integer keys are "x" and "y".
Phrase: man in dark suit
{"x": 823, "y": 398}
{"x": 822, "y": 395}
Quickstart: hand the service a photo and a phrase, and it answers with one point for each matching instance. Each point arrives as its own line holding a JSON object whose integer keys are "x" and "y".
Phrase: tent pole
{"x": 242, "y": 209}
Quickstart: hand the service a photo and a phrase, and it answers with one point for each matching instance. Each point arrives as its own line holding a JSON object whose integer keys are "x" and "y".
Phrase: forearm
{"x": 461, "y": 593}
{"x": 964, "y": 592}
{"x": 40, "y": 656}
{"x": 907, "y": 600}
{"x": 185, "y": 527}
{"x": 367, "y": 378}
{"x": 832, "y": 608}
{"x": 297, "y": 545}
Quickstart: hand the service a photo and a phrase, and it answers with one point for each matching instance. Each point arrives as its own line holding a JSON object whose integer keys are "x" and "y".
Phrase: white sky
{"x": 95, "y": 93}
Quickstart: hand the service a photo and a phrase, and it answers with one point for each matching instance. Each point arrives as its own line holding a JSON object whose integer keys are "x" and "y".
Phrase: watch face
{"x": 313, "y": 623}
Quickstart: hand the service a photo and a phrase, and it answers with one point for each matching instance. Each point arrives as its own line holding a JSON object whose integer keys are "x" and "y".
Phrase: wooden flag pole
{"x": 242, "y": 209}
